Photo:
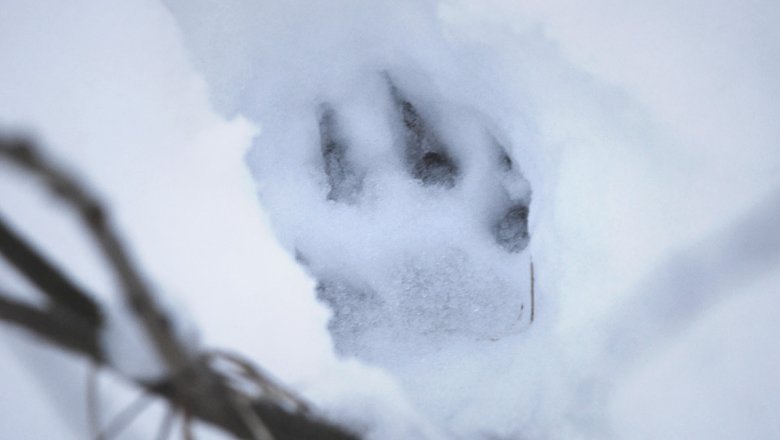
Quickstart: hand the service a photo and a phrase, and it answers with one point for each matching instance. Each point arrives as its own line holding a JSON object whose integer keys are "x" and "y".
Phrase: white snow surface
{"x": 643, "y": 133}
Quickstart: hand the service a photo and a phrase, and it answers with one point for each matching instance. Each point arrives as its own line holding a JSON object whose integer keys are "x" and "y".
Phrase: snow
{"x": 715, "y": 381}
{"x": 26, "y": 403}
{"x": 642, "y": 138}
{"x": 172, "y": 171}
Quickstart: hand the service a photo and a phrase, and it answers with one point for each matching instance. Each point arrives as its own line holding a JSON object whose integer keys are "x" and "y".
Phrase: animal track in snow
{"x": 420, "y": 237}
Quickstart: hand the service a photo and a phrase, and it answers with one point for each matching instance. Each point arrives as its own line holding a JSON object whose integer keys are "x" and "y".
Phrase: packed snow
{"x": 353, "y": 194}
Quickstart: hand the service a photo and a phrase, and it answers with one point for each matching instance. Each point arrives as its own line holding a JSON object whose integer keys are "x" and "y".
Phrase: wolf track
{"x": 419, "y": 237}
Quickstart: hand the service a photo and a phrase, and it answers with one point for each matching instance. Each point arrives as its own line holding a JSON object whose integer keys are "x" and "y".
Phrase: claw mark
{"x": 511, "y": 231}
{"x": 506, "y": 162}
{"x": 343, "y": 182}
{"x": 425, "y": 155}
{"x": 435, "y": 168}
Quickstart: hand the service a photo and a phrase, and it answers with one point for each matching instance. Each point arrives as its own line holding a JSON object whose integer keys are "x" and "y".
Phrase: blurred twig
{"x": 85, "y": 204}
{"x": 74, "y": 321}
{"x": 63, "y": 293}
{"x": 166, "y": 425}
{"x": 125, "y": 417}
{"x": 55, "y": 326}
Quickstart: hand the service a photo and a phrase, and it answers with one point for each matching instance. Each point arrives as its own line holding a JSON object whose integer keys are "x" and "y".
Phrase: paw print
{"x": 416, "y": 221}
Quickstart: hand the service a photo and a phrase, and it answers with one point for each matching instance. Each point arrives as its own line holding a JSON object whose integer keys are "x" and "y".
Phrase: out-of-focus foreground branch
{"x": 73, "y": 320}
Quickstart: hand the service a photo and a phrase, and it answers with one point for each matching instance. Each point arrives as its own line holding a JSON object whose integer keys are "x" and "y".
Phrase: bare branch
{"x": 166, "y": 425}
{"x": 93, "y": 400}
{"x": 55, "y": 326}
{"x": 46, "y": 277}
{"x": 125, "y": 417}
{"x": 193, "y": 384}
{"x": 60, "y": 328}
{"x": 23, "y": 154}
